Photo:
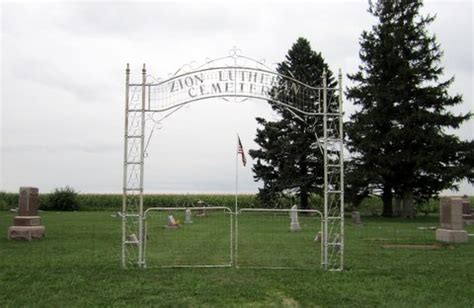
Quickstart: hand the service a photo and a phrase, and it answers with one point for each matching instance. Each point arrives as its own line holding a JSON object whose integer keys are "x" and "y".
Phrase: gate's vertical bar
{"x": 142, "y": 161}
{"x": 341, "y": 165}
{"x": 322, "y": 241}
{"x": 325, "y": 154}
{"x": 231, "y": 215}
{"x": 236, "y": 238}
{"x": 125, "y": 152}
{"x": 145, "y": 240}
{"x": 149, "y": 98}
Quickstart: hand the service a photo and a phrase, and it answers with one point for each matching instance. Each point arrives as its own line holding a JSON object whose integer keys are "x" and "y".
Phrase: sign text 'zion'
{"x": 229, "y": 82}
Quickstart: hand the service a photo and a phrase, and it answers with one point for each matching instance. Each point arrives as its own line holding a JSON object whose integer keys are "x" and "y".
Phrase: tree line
{"x": 400, "y": 140}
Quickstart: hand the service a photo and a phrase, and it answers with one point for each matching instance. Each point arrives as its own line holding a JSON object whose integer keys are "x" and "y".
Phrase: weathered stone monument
{"x": 188, "y": 217}
{"x": 201, "y": 211}
{"x": 27, "y": 224}
{"x": 356, "y": 218}
{"x": 295, "y": 225}
{"x": 452, "y": 224}
{"x": 467, "y": 214}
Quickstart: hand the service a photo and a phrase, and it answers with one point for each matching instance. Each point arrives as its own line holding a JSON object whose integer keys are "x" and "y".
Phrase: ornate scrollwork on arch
{"x": 232, "y": 76}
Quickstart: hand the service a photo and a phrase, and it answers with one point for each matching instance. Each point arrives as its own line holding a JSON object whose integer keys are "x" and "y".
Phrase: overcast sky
{"x": 62, "y": 83}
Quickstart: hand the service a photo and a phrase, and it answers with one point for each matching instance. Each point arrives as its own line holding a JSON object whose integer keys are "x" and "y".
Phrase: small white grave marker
{"x": 295, "y": 225}
{"x": 188, "y": 218}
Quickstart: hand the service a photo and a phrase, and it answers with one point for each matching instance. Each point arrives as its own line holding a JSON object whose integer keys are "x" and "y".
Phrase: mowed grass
{"x": 264, "y": 240}
{"x": 78, "y": 264}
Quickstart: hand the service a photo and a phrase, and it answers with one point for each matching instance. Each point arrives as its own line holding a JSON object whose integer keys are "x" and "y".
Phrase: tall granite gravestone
{"x": 27, "y": 225}
{"x": 467, "y": 214}
{"x": 452, "y": 225}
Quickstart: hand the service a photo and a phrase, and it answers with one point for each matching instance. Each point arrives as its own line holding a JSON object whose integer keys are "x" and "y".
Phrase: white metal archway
{"x": 241, "y": 77}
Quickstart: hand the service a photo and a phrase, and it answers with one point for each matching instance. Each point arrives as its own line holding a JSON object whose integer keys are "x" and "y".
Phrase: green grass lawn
{"x": 264, "y": 240}
{"x": 78, "y": 264}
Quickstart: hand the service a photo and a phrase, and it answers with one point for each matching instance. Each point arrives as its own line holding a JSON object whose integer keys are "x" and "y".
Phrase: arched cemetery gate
{"x": 240, "y": 78}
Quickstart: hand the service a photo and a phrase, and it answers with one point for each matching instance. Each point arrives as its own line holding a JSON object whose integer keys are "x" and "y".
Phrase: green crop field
{"x": 78, "y": 264}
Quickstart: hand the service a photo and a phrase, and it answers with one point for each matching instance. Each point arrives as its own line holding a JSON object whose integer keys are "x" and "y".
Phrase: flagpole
{"x": 234, "y": 257}
{"x": 236, "y": 174}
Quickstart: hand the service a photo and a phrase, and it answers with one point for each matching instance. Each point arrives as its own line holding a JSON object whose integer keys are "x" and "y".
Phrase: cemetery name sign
{"x": 226, "y": 81}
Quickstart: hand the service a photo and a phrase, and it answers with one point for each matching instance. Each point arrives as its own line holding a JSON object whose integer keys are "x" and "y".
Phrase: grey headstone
{"x": 295, "y": 225}
{"x": 451, "y": 213}
{"x": 466, "y": 206}
{"x": 188, "y": 217}
{"x": 132, "y": 239}
{"x": 356, "y": 218}
{"x": 201, "y": 211}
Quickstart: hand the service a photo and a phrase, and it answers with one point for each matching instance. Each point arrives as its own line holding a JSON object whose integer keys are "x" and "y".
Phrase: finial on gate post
{"x": 127, "y": 70}
{"x": 144, "y": 69}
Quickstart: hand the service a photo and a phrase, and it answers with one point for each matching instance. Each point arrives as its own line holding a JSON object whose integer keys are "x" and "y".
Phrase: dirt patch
{"x": 284, "y": 301}
{"x": 378, "y": 239}
{"x": 398, "y": 238}
{"x": 413, "y": 246}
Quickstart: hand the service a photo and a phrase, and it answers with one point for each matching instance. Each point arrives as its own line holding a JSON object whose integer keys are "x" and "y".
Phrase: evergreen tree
{"x": 357, "y": 179}
{"x": 288, "y": 158}
{"x": 401, "y": 131}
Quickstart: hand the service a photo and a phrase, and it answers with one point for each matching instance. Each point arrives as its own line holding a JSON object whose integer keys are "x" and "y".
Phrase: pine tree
{"x": 357, "y": 180}
{"x": 288, "y": 158}
{"x": 401, "y": 131}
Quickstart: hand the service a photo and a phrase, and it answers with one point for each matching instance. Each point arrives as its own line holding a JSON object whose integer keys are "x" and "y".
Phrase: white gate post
{"x": 325, "y": 154}
{"x": 341, "y": 166}
{"x": 124, "y": 187}
{"x": 142, "y": 162}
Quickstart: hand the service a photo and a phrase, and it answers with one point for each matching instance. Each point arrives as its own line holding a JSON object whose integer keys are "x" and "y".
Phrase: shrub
{"x": 63, "y": 199}
{"x": 3, "y": 205}
{"x": 8, "y": 200}
{"x": 428, "y": 207}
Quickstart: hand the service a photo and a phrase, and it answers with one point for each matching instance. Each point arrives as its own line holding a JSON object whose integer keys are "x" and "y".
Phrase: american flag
{"x": 240, "y": 150}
